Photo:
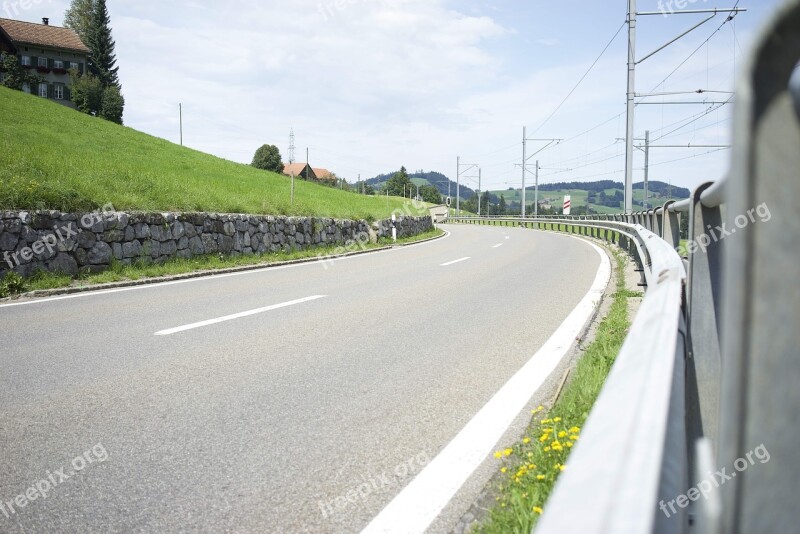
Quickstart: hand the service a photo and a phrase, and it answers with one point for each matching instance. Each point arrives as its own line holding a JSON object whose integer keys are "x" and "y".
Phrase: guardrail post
{"x": 704, "y": 280}
{"x": 672, "y": 226}
{"x": 761, "y": 326}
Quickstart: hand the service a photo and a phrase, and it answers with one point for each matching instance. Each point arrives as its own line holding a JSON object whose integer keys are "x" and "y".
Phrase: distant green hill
{"x": 52, "y": 157}
{"x": 603, "y": 196}
{"x": 420, "y": 178}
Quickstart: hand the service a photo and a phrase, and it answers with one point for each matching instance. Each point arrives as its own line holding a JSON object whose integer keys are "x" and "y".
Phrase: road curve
{"x": 299, "y": 399}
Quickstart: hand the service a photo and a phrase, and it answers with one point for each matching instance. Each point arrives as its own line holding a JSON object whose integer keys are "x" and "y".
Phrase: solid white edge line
{"x": 418, "y": 505}
{"x": 449, "y": 263}
{"x": 213, "y": 276}
{"x": 239, "y": 315}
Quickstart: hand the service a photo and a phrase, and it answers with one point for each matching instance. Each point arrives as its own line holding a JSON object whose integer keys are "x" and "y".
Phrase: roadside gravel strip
{"x": 421, "y": 502}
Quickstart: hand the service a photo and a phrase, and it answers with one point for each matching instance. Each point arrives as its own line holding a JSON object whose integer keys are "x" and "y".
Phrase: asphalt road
{"x": 271, "y": 421}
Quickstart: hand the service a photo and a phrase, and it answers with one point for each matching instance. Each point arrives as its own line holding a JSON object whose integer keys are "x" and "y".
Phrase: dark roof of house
{"x": 42, "y": 35}
{"x": 295, "y": 168}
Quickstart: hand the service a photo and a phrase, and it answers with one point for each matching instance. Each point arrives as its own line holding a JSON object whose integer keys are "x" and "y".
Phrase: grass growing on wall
{"x": 52, "y": 157}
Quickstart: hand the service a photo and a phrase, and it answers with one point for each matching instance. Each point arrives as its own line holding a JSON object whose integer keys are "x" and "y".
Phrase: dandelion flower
{"x": 556, "y": 419}
{"x": 498, "y": 454}
{"x": 503, "y": 470}
{"x": 526, "y": 441}
{"x": 508, "y": 452}
{"x": 540, "y": 477}
{"x": 537, "y": 510}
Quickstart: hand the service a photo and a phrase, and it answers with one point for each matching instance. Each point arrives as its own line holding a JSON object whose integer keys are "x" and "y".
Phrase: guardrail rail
{"x": 711, "y": 366}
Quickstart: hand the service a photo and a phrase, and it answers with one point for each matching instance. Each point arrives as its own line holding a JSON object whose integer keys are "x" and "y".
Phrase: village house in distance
{"x": 306, "y": 172}
{"x": 51, "y": 50}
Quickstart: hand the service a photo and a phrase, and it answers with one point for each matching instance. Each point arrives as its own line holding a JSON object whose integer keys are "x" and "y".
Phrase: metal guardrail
{"x": 711, "y": 367}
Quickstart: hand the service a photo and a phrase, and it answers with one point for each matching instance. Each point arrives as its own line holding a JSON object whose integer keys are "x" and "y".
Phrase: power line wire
{"x": 558, "y": 108}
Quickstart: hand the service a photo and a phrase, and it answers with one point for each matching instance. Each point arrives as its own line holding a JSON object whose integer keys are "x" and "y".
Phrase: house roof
{"x": 295, "y": 168}
{"x": 42, "y": 35}
{"x": 323, "y": 174}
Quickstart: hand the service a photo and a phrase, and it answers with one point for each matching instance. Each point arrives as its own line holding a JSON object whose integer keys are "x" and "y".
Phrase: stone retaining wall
{"x": 88, "y": 242}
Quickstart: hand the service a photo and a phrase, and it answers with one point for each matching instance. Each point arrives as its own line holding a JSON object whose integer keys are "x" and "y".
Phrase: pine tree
{"x": 102, "y": 59}
{"x": 79, "y": 18}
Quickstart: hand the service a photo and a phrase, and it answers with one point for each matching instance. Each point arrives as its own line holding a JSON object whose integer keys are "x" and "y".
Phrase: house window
{"x": 43, "y": 90}
{"x": 26, "y": 88}
{"x": 58, "y": 91}
{"x": 57, "y": 64}
{"x": 42, "y": 61}
{"x": 26, "y": 61}
{"x": 73, "y": 65}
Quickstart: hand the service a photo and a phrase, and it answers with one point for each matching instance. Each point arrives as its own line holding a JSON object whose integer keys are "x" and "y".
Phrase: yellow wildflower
{"x": 562, "y": 434}
{"x": 508, "y": 452}
{"x": 556, "y": 419}
{"x": 526, "y": 440}
{"x": 537, "y": 510}
{"x": 498, "y": 454}
{"x": 540, "y": 477}
{"x": 547, "y": 449}
{"x": 574, "y": 430}
{"x": 574, "y": 438}
{"x": 503, "y": 470}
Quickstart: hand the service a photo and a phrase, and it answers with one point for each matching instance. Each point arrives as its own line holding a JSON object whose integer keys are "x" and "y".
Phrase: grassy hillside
{"x": 54, "y": 158}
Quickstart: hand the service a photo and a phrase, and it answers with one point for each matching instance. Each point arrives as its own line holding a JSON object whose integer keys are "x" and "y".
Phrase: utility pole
{"x": 630, "y": 106}
{"x": 536, "y": 198}
{"x": 524, "y": 162}
{"x": 525, "y": 159}
{"x": 459, "y": 172}
{"x": 180, "y": 117}
{"x": 632, "y": 62}
{"x": 458, "y": 186}
{"x": 646, "y": 166}
{"x": 479, "y": 191}
{"x": 291, "y": 146}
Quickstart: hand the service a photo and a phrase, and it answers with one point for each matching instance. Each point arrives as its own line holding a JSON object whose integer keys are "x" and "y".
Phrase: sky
{"x": 369, "y": 86}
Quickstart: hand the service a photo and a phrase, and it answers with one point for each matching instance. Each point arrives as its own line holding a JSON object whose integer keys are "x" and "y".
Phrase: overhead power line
{"x": 596, "y": 61}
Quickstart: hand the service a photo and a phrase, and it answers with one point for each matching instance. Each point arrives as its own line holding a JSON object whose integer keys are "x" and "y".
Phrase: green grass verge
{"x": 52, "y": 157}
{"x": 531, "y": 467}
{"x": 121, "y": 273}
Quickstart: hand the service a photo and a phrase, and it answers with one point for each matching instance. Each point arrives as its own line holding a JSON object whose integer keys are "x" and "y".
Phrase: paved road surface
{"x": 259, "y": 422}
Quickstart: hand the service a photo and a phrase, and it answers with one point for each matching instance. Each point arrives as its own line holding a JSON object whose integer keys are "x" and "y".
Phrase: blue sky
{"x": 370, "y": 85}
